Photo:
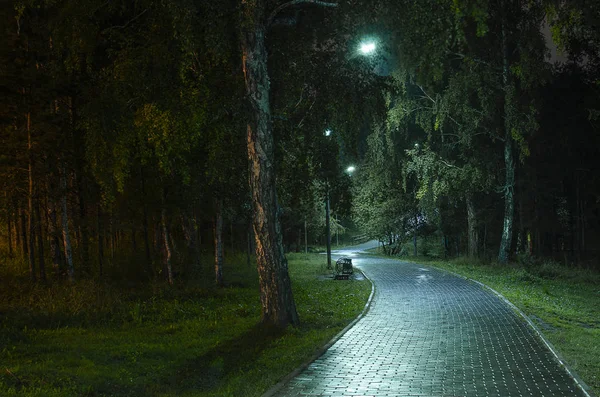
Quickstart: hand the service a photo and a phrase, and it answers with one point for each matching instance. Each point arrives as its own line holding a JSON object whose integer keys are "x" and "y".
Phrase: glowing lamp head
{"x": 367, "y": 48}
{"x": 327, "y": 132}
{"x": 351, "y": 169}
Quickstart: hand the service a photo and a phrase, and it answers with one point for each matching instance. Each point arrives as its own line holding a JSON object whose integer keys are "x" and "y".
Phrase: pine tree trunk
{"x": 54, "y": 242}
{"x": 100, "y": 237}
{"x": 165, "y": 235}
{"x": 509, "y": 161}
{"x": 30, "y": 221}
{"x": 25, "y": 246}
{"x": 83, "y": 225}
{"x": 472, "y": 226}
{"x": 278, "y": 306}
{"x": 42, "y": 263}
{"x": 149, "y": 268}
{"x": 218, "y": 236}
{"x": 18, "y": 247}
{"x": 65, "y": 225}
{"x": 9, "y": 233}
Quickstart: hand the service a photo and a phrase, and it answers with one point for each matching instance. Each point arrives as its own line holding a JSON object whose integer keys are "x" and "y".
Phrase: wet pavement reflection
{"x": 430, "y": 333}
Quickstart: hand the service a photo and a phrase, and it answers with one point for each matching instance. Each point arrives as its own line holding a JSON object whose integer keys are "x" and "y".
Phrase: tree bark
{"x": 30, "y": 221}
{"x": 9, "y": 233}
{"x": 83, "y": 225}
{"x": 472, "y": 226}
{"x": 41, "y": 262}
{"x": 23, "y": 233}
{"x": 509, "y": 161}
{"x": 146, "y": 237}
{"x": 277, "y": 302}
{"x": 218, "y": 236}
{"x": 53, "y": 236}
{"x": 100, "y": 231}
{"x": 165, "y": 235}
{"x": 65, "y": 225}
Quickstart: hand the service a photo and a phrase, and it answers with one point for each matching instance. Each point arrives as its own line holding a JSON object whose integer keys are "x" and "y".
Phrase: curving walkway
{"x": 429, "y": 333}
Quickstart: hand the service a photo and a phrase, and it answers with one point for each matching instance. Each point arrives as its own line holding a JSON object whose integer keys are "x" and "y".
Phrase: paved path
{"x": 429, "y": 333}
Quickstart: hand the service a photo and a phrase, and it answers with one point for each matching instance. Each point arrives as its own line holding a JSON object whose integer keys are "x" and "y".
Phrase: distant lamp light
{"x": 368, "y": 48}
{"x": 351, "y": 169}
{"x": 416, "y": 145}
{"x": 327, "y": 132}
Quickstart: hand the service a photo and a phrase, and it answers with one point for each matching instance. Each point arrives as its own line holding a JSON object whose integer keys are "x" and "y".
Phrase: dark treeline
{"x": 123, "y": 135}
{"x": 126, "y": 130}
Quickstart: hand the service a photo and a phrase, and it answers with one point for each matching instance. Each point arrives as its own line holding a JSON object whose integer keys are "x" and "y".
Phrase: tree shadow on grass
{"x": 208, "y": 372}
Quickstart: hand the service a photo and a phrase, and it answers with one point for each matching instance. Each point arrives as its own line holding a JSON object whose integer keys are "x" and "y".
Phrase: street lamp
{"x": 368, "y": 47}
{"x": 327, "y": 132}
{"x": 350, "y": 169}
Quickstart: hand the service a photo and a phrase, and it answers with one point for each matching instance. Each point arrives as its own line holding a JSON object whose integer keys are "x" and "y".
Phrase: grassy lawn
{"x": 95, "y": 339}
{"x": 563, "y": 302}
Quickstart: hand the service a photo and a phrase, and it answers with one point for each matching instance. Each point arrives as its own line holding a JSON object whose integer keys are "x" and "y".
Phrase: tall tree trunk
{"x": 305, "y": 237}
{"x": 165, "y": 235}
{"x": 18, "y": 247}
{"x": 277, "y": 302}
{"x": 83, "y": 225}
{"x": 42, "y": 263}
{"x": 9, "y": 233}
{"x": 328, "y": 228}
{"x": 149, "y": 268}
{"x": 509, "y": 161}
{"x": 100, "y": 237}
{"x": 218, "y": 235}
{"x": 473, "y": 227}
{"x": 53, "y": 236}
{"x": 30, "y": 221}
{"x": 24, "y": 243}
{"x": 65, "y": 225}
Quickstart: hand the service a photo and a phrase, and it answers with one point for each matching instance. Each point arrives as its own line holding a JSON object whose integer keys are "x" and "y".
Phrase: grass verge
{"x": 102, "y": 339}
{"x": 563, "y": 302}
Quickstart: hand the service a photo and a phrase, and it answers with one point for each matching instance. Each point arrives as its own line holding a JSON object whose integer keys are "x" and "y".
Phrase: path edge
{"x": 578, "y": 381}
{"x": 274, "y": 389}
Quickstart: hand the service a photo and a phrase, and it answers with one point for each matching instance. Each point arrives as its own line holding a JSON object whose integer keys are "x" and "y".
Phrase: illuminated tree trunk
{"x": 509, "y": 161}
{"x": 278, "y": 306}
{"x": 472, "y": 226}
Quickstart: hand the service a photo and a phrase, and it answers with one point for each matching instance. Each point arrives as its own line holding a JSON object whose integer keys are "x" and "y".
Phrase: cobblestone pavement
{"x": 429, "y": 333}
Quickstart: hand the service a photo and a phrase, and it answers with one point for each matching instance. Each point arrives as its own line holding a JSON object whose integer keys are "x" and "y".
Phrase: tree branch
{"x": 126, "y": 24}
{"x": 296, "y": 2}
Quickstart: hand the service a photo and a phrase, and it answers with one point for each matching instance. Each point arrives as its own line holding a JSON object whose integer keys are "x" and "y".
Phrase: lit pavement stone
{"x": 429, "y": 333}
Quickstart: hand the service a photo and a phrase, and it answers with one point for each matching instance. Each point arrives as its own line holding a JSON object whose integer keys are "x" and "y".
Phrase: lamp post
{"x": 328, "y": 226}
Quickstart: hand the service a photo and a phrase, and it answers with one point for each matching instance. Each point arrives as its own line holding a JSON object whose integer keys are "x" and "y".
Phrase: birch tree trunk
{"x": 277, "y": 302}
{"x": 65, "y": 225}
{"x": 472, "y": 226}
{"x": 218, "y": 235}
{"x": 509, "y": 161}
